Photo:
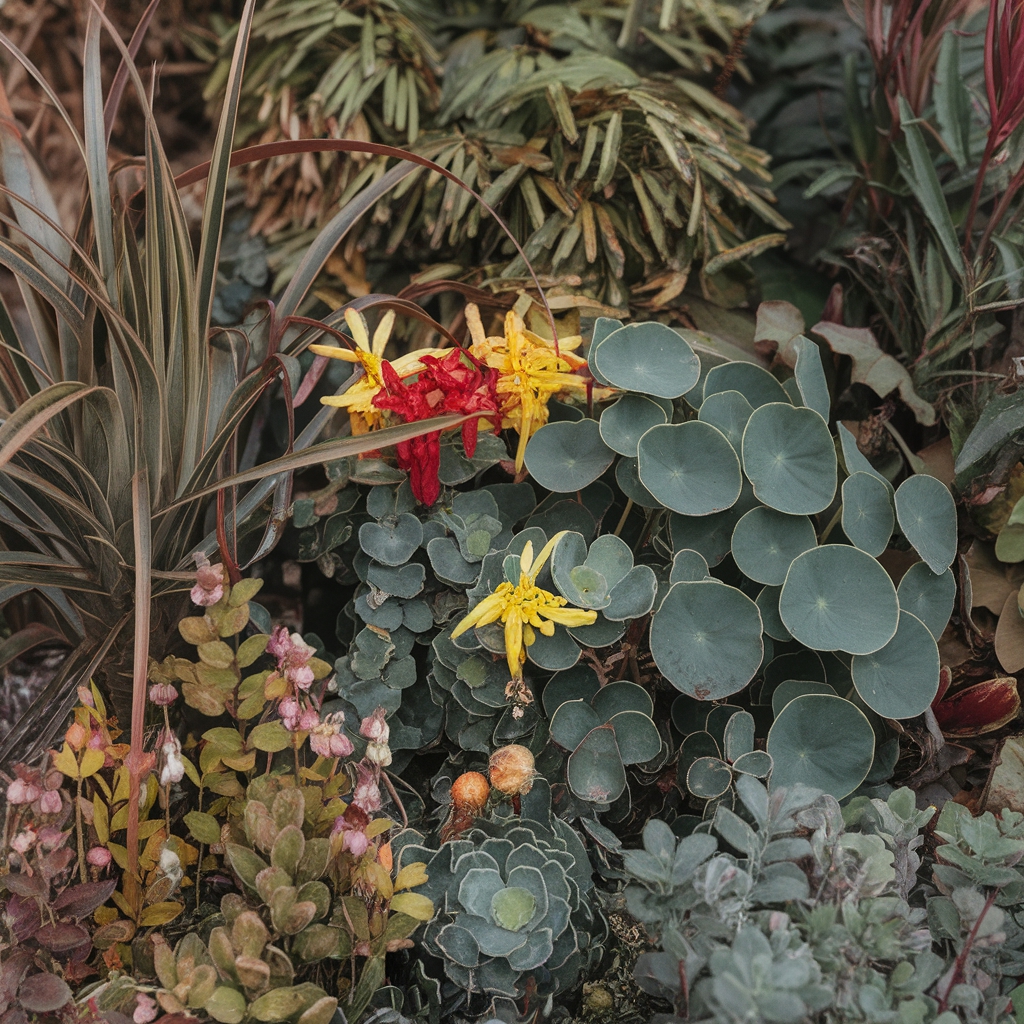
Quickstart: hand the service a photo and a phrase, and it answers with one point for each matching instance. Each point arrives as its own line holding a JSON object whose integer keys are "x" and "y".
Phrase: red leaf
{"x": 44, "y": 993}
{"x": 81, "y": 900}
{"x": 26, "y": 885}
{"x": 61, "y": 937}
{"x": 25, "y": 916}
{"x": 979, "y": 709}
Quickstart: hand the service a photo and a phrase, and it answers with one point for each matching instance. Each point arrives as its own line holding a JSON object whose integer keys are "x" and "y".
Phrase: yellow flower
{"x": 530, "y": 372}
{"x": 524, "y": 608}
{"x": 358, "y": 399}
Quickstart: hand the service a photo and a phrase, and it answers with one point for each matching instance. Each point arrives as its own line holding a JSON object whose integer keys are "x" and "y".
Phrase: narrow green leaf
{"x": 924, "y": 182}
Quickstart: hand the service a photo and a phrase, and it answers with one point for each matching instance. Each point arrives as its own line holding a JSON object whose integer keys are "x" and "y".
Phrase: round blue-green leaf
{"x": 594, "y": 769}
{"x": 868, "y": 518}
{"x": 636, "y": 735}
{"x": 790, "y": 689}
{"x": 810, "y": 377}
{"x": 706, "y": 639}
{"x": 729, "y": 411}
{"x": 633, "y": 596}
{"x": 624, "y": 423}
{"x": 553, "y": 653}
{"x": 738, "y": 737}
{"x": 927, "y": 517}
{"x": 708, "y": 777}
{"x": 565, "y": 457}
{"x": 928, "y": 596}
{"x": 621, "y": 695}
{"x": 628, "y": 479}
{"x": 648, "y": 357}
{"x": 711, "y": 535}
{"x": 600, "y": 633}
{"x": 753, "y": 382}
{"x": 393, "y": 542}
{"x": 821, "y": 741}
{"x": 789, "y": 457}
{"x": 571, "y": 722}
{"x": 577, "y": 683}
{"x": 765, "y": 542}
{"x": 690, "y": 468}
{"x": 768, "y": 606}
{"x": 902, "y": 679}
{"x": 688, "y": 566}
{"x": 603, "y": 326}
{"x": 757, "y": 763}
{"x": 838, "y": 598}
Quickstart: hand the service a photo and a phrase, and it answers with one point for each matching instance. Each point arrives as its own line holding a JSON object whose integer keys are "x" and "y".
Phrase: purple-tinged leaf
{"x": 81, "y": 900}
{"x": 62, "y": 936}
{"x": 44, "y": 993}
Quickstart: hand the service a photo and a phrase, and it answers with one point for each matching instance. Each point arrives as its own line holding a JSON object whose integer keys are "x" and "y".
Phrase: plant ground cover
{"x": 622, "y": 620}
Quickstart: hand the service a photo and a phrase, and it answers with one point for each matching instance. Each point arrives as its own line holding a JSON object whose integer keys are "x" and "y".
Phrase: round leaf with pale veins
{"x": 901, "y": 679}
{"x": 838, "y": 598}
{"x": 649, "y": 358}
{"x": 765, "y": 542}
{"x": 594, "y": 769}
{"x": 868, "y": 518}
{"x": 624, "y": 423}
{"x": 706, "y": 639}
{"x": 690, "y": 468}
{"x": 789, "y": 457}
{"x": 821, "y": 741}
{"x": 753, "y": 382}
{"x": 928, "y": 596}
{"x": 567, "y": 456}
{"x": 729, "y": 411}
{"x": 927, "y": 517}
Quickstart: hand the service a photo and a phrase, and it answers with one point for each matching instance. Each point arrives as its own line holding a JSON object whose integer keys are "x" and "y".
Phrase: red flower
{"x": 448, "y": 385}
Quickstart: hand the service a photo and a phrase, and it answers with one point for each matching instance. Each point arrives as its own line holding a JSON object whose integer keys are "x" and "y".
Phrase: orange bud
{"x": 512, "y": 769}
{"x": 384, "y": 857}
{"x": 470, "y": 792}
{"x": 979, "y": 709}
{"x": 76, "y": 736}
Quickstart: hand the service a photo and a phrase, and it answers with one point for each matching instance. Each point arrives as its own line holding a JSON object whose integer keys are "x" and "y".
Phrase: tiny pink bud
{"x": 98, "y": 856}
{"x": 85, "y": 697}
{"x": 50, "y": 802}
{"x": 22, "y": 792}
{"x": 375, "y": 727}
{"x": 355, "y": 842}
{"x": 76, "y": 736}
{"x": 163, "y": 694}
{"x": 309, "y": 720}
{"x": 145, "y": 1009}
{"x": 23, "y": 841}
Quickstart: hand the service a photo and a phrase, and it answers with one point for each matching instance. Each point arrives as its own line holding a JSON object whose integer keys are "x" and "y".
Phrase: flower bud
{"x": 76, "y": 736}
{"x": 23, "y": 841}
{"x": 511, "y": 770}
{"x": 375, "y": 727}
{"x": 85, "y": 697}
{"x": 22, "y": 792}
{"x": 50, "y": 802}
{"x": 163, "y": 694}
{"x": 98, "y": 856}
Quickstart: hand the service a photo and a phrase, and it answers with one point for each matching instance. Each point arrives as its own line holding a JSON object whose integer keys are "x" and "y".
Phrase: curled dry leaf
{"x": 871, "y": 366}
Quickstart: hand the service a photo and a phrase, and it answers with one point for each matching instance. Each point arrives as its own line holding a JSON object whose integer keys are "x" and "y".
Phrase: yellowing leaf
{"x": 196, "y": 630}
{"x": 92, "y": 762}
{"x": 66, "y": 763}
{"x": 100, "y": 820}
{"x": 378, "y": 826}
{"x": 414, "y": 905}
{"x": 160, "y": 913}
{"x": 104, "y": 915}
{"x": 411, "y": 875}
{"x": 270, "y": 736}
{"x": 251, "y": 649}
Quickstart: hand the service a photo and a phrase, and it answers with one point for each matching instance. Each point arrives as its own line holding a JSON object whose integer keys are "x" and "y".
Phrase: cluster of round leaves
{"x": 514, "y": 895}
{"x": 746, "y": 466}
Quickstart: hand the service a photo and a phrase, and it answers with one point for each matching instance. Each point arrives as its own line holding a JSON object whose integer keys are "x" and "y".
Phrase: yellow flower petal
{"x": 383, "y": 333}
{"x": 545, "y": 554}
{"x": 514, "y": 643}
{"x": 357, "y": 325}
{"x": 526, "y": 558}
{"x": 488, "y": 610}
{"x": 569, "y": 616}
{"x": 335, "y": 352}
{"x": 529, "y": 637}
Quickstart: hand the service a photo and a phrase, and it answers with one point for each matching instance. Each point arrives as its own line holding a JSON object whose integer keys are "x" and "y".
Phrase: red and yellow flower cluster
{"x": 508, "y": 378}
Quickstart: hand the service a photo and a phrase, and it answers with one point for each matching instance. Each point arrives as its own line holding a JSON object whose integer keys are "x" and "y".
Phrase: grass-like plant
{"x": 125, "y": 417}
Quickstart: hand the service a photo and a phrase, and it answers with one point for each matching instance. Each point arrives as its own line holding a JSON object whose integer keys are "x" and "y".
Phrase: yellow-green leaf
{"x": 251, "y": 649}
{"x": 196, "y": 630}
{"x": 411, "y": 875}
{"x": 66, "y": 763}
{"x": 414, "y": 905}
{"x": 92, "y": 762}
{"x": 160, "y": 913}
{"x": 100, "y": 818}
{"x": 203, "y": 827}
{"x": 216, "y": 654}
{"x": 244, "y": 591}
{"x": 270, "y": 736}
